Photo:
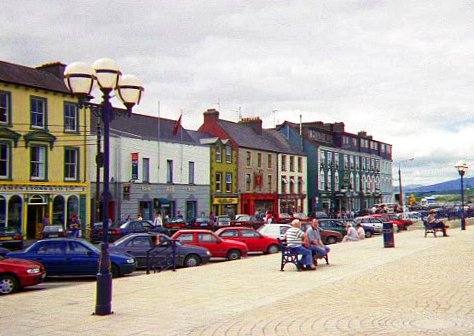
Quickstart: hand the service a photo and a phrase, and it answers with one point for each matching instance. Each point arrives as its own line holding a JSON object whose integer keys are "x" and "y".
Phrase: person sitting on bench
{"x": 436, "y": 223}
{"x": 313, "y": 236}
{"x": 294, "y": 240}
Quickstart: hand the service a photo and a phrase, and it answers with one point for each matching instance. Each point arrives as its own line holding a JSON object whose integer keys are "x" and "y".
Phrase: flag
{"x": 178, "y": 123}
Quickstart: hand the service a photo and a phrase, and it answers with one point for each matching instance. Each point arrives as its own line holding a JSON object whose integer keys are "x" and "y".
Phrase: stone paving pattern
{"x": 423, "y": 286}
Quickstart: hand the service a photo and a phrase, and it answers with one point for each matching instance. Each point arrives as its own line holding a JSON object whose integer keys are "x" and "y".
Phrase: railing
{"x": 161, "y": 264}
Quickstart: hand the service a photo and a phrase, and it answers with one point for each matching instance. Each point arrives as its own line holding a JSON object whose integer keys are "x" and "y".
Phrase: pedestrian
{"x": 45, "y": 220}
{"x": 294, "y": 240}
{"x": 139, "y": 217}
{"x": 351, "y": 234}
{"x": 268, "y": 217}
{"x": 75, "y": 226}
{"x": 158, "y": 221}
{"x": 360, "y": 231}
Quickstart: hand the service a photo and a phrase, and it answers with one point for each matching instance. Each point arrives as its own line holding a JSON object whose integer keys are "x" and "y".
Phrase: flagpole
{"x": 159, "y": 136}
{"x": 181, "y": 141}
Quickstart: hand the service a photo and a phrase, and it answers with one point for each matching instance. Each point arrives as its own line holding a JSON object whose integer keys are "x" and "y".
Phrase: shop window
{"x": 58, "y": 210}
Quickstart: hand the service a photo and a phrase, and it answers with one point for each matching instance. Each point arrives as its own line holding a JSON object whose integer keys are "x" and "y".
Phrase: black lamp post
{"x": 402, "y": 205}
{"x": 79, "y": 78}
{"x": 462, "y": 167}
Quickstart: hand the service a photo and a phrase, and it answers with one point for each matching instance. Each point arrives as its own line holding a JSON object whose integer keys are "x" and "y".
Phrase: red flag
{"x": 176, "y": 126}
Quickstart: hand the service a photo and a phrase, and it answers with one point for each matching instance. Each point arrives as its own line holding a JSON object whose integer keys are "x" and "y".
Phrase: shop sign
{"x": 41, "y": 188}
{"x": 227, "y": 200}
{"x": 134, "y": 166}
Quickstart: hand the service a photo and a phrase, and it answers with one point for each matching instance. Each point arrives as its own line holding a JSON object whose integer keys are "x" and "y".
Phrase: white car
{"x": 274, "y": 230}
{"x": 370, "y": 221}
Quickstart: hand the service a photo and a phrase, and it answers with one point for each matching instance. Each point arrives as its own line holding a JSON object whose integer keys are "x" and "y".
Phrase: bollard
{"x": 388, "y": 235}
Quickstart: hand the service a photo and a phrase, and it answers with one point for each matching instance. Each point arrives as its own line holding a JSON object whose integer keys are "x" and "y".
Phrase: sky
{"x": 402, "y": 70}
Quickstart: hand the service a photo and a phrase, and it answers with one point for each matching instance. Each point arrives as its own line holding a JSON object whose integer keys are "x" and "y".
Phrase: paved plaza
{"x": 423, "y": 286}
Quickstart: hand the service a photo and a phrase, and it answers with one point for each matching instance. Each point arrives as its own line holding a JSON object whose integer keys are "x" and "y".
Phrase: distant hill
{"x": 453, "y": 185}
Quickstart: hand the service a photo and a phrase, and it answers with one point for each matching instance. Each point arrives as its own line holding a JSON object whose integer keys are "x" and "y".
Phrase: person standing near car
{"x": 75, "y": 226}
{"x": 315, "y": 242}
{"x": 158, "y": 221}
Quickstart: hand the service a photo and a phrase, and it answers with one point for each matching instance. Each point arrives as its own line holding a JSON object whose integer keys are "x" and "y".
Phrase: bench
{"x": 432, "y": 228}
{"x": 315, "y": 259}
{"x": 288, "y": 256}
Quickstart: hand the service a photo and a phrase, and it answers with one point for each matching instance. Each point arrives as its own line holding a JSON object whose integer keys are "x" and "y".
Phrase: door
{"x": 80, "y": 260}
{"x": 52, "y": 254}
{"x": 254, "y": 241}
{"x": 35, "y": 216}
{"x": 213, "y": 244}
{"x": 138, "y": 247}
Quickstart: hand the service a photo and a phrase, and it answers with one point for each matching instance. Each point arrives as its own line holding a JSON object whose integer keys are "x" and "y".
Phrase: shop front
{"x": 291, "y": 203}
{"x": 258, "y": 203}
{"x": 225, "y": 205}
{"x": 27, "y": 207}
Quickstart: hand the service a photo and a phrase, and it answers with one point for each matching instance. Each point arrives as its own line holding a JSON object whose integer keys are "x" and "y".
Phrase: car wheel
{"x": 8, "y": 284}
{"x": 192, "y": 260}
{"x": 331, "y": 240}
{"x": 368, "y": 234}
{"x": 115, "y": 271}
{"x": 233, "y": 255}
{"x": 272, "y": 249}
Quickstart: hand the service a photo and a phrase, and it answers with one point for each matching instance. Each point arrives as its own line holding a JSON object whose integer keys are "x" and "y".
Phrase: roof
{"x": 31, "y": 77}
{"x": 245, "y": 136}
{"x": 147, "y": 128}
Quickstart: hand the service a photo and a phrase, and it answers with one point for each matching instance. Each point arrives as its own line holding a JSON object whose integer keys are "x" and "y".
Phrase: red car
{"x": 255, "y": 241}
{"x": 395, "y": 220}
{"x": 19, "y": 273}
{"x": 219, "y": 248}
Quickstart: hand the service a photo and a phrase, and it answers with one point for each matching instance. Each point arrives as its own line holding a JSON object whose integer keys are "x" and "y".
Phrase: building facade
{"x": 153, "y": 170}
{"x": 43, "y": 150}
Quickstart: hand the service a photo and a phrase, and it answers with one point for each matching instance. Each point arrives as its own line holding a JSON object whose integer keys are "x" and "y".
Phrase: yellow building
{"x": 43, "y": 150}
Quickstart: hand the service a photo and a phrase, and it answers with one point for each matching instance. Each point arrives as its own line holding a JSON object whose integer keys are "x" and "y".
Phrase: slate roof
{"x": 31, "y": 77}
{"x": 146, "y": 127}
{"x": 269, "y": 140}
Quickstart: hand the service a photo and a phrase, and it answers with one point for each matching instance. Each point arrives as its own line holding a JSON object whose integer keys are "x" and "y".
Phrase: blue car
{"x": 71, "y": 257}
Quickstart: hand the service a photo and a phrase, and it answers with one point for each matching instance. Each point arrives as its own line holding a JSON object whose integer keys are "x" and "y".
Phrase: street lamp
{"x": 462, "y": 167}
{"x": 79, "y": 78}
{"x": 400, "y": 183}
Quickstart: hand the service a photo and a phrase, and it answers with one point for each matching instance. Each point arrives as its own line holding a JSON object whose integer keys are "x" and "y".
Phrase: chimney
{"x": 55, "y": 68}
{"x": 338, "y": 127}
{"x": 211, "y": 115}
{"x": 254, "y": 123}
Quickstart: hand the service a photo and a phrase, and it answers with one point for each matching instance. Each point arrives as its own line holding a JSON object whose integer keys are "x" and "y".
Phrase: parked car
{"x": 4, "y": 251}
{"x": 219, "y": 248}
{"x": 301, "y": 216}
{"x": 282, "y": 218}
{"x": 73, "y": 256}
{"x": 376, "y": 223}
{"x": 320, "y": 215}
{"x": 222, "y": 220}
{"x": 117, "y": 231}
{"x": 174, "y": 223}
{"x": 255, "y": 241}
{"x": 278, "y": 231}
{"x": 400, "y": 223}
{"x": 11, "y": 238}
{"x": 248, "y": 221}
{"x": 138, "y": 244}
{"x": 201, "y": 223}
{"x": 53, "y": 231}
{"x": 340, "y": 226}
{"x": 18, "y": 273}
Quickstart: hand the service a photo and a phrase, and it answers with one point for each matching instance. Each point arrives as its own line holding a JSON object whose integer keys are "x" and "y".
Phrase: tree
{"x": 411, "y": 200}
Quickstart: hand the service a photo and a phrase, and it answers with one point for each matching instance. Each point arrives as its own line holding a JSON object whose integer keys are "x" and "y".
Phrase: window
{"x": 292, "y": 163}
{"x": 322, "y": 180}
{"x": 76, "y": 248}
{"x": 71, "y": 118}
{"x": 191, "y": 172}
{"x": 269, "y": 181}
{"x": 283, "y": 163}
{"x": 218, "y": 182}
{"x": 346, "y": 162}
{"x": 228, "y": 154}
{"x": 248, "y": 159}
{"x": 5, "y": 160}
{"x": 38, "y": 162}
{"x": 284, "y": 182}
{"x": 206, "y": 238}
{"x": 336, "y": 181}
{"x": 5, "y": 103}
{"x": 229, "y": 233}
{"x": 218, "y": 153}
{"x": 259, "y": 160}
{"x": 186, "y": 238}
{"x": 169, "y": 171}
{"x": 38, "y": 112}
{"x": 269, "y": 161}
{"x": 146, "y": 170}
{"x": 52, "y": 247}
{"x": 300, "y": 185}
{"x": 248, "y": 182}
{"x": 292, "y": 185}
{"x": 71, "y": 164}
{"x": 228, "y": 182}
{"x": 249, "y": 234}
{"x": 300, "y": 164}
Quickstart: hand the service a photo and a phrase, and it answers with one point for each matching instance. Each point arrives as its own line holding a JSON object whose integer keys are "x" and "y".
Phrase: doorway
{"x": 34, "y": 220}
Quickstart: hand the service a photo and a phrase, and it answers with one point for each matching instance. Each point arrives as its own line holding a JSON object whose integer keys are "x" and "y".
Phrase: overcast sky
{"x": 401, "y": 70}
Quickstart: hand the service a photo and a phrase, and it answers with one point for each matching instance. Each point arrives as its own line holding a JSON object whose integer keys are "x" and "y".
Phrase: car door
{"x": 139, "y": 227}
{"x": 80, "y": 260}
{"x": 138, "y": 247}
{"x": 52, "y": 254}
{"x": 212, "y": 243}
{"x": 254, "y": 241}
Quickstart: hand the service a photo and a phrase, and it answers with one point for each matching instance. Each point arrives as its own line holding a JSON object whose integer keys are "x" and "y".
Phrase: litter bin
{"x": 388, "y": 235}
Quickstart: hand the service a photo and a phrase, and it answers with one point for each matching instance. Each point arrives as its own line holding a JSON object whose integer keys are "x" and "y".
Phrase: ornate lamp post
{"x": 462, "y": 167}
{"x": 79, "y": 78}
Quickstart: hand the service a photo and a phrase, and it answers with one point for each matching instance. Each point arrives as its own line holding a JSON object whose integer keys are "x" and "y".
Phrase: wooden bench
{"x": 288, "y": 256}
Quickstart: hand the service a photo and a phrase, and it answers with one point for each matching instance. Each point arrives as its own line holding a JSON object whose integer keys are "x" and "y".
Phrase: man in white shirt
{"x": 351, "y": 234}
{"x": 294, "y": 240}
{"x": 158, "y": 221}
